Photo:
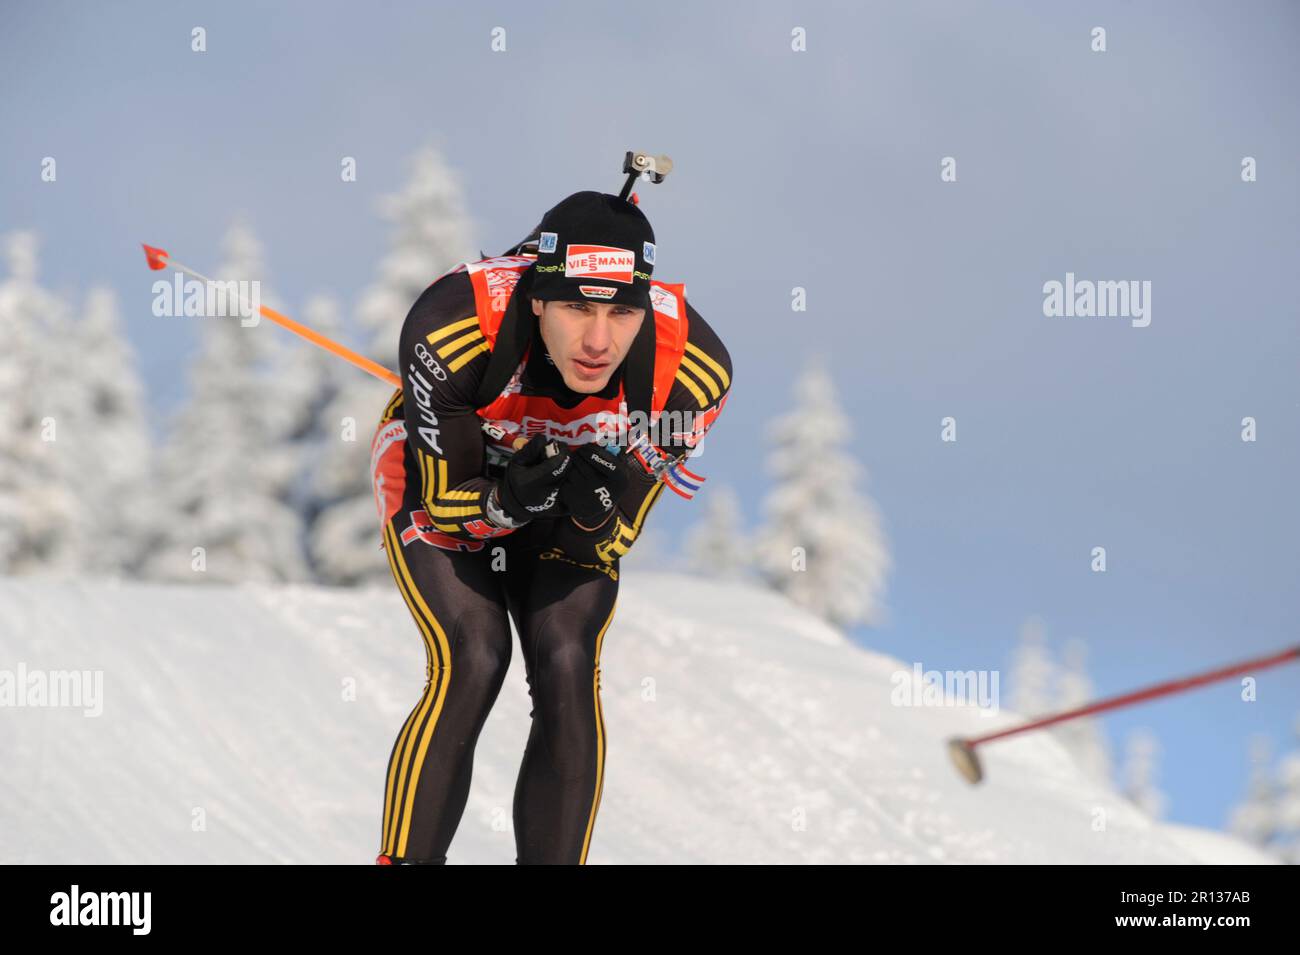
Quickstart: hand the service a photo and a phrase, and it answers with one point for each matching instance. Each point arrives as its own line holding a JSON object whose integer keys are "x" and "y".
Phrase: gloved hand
{"x": 530, "y": 487}
{"x": 596, "y": 480}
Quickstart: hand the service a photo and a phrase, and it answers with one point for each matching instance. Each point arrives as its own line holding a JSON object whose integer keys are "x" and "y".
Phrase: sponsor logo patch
{"x": 648, "y": 252}
{"x": 662, "y": 300}
{"x": 556, "y": 554}
{"x": 578, "y": 431}
{"x": 547, "y": 242}
{"x": 422, "y": 529}
{"x": 597, "y": 291}
{"x": 599, "y": 262}
{"x": 499, "y": 275}
{"x": 430, "y": 362}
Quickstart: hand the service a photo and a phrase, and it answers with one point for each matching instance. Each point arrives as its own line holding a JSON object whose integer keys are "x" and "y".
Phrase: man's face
{"x": 587, "y": 340}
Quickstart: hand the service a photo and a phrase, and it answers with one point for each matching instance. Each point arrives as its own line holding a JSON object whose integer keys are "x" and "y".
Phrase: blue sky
{"x": 821, "y": 170}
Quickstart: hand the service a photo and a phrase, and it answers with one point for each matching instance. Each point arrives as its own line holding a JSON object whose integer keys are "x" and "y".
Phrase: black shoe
{"x": 382, "y": 859}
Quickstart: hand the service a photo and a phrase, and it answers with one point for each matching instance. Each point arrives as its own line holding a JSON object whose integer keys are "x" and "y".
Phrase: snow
{"x": 253, "y": 723}
{"x": 1217, "y": 848}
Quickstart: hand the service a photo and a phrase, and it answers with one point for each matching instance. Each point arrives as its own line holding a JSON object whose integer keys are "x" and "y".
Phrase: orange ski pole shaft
{"x": 161, "y": 259}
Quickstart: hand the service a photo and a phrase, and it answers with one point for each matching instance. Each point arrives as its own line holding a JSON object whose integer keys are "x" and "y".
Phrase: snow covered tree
{"x": 1083, "y": 737}
{"x": 1040, "y": 685}
{"x": 717, "y": 547}
{"x": 112, "y": 440}
{"x": 38, "y": 509}
{"x": 1269, "y": 816}
{"x": 309, "y": 379}
{"x": 1141, "y": 765}
{"x": 1255, "y": 819}
{"x": 224, "y": 472}
{"x": 66, "y": 433}
{"x": 1288, "y": 805}
{"x": 431, "y": 235}
{"x": 822, "y": 545}
{"x": 1033, "y": 671}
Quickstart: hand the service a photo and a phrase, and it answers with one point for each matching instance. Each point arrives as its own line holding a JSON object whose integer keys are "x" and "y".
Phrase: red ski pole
{"x": 962, "y": 750}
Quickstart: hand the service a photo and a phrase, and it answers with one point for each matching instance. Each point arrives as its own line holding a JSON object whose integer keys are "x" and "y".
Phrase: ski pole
{"x": 160, "y": 259}
{"x": 962, "y": 750}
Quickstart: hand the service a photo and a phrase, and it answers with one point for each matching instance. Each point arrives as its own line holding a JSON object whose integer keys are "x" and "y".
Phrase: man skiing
{"x": 511, "y": 475}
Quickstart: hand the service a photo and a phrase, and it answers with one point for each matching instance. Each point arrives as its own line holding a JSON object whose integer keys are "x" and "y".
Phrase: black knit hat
{"x": 595, "y": 247}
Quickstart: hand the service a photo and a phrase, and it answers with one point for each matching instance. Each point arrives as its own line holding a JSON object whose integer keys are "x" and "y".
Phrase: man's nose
{"x": 597, "y": 337}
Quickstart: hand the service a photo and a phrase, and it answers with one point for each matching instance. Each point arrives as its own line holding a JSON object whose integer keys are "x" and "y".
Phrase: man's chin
{"x": 586, "y": 387}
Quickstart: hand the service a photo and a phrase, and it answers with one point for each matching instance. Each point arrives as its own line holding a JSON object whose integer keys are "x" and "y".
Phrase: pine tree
{"x": 310, "y": 379}
{"x": 1040, "y": 685}
{"x": 112, "y": 438}
{"x": 717, "y": 546}
{"x": 37, "y": 507}
{"x": 822, "y": 545}
{"x": 223, "y": 475}
{"x": 1286, "y": 841}
{"x": 1084, "y": 737}
{"x": 1141, "y": 772}
{"x": 431, "y": 235}
{"x": 1033, "y": 671}
{"x": 1257, "y": 818}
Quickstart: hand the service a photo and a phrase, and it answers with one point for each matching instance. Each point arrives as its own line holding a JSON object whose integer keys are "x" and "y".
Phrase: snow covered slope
{"x": 739, "y": 730}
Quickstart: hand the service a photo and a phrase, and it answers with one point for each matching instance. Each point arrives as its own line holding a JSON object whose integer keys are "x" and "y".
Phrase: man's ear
{"x": 537, "y": 307}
